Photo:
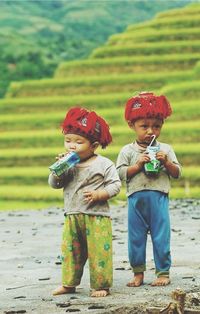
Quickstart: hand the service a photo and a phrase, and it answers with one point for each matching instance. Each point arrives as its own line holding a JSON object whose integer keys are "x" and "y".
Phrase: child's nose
{"x": 72, "y": 146}
{"x": 150, "y": 130}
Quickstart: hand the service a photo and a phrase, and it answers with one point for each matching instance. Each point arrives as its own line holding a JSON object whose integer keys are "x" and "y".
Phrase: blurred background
{"x": 59, "y": 53}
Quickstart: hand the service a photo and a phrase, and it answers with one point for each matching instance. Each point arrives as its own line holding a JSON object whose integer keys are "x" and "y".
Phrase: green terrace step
{"x": 179, "y": 14}
{"x": 53, "y": 104}
{"x": 15, "y": 205}
{"x": 183, "y": 90}
{"x": 152, "y": 48}
{"x": 30, "y": 121}
{"x": 130, "y": 64}
{"x": 172, "y": 132}
{"x": 182, "y": 21}
{"x": 152, "y": 35}
{"x": 30, "y": 193}
{"x": 37, "y": 113}
{"x": 29, "y": 156}
{"x": 24, "y": 175}
{"x": 96, "y": 84}
{"x": 39, "y": 176}
{"x": 188, "y": 155}
{"x": 190, "y": 10}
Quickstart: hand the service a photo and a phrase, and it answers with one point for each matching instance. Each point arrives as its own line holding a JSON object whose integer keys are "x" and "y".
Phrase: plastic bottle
{"x": 65, "y": 163}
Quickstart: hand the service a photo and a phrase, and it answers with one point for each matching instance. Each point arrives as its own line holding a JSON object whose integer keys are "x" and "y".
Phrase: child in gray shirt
{"x": 146, "y": 166}
{"x": 86, "y": 187}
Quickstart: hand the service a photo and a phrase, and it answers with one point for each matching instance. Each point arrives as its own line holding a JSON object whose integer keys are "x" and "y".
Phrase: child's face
{"x": 79, "y": 144}
{"x": 146, "y": 128}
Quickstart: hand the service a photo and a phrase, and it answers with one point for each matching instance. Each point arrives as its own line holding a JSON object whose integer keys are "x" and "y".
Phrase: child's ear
{"x": 130, "y": 124}
{"x": 95, "y": 145}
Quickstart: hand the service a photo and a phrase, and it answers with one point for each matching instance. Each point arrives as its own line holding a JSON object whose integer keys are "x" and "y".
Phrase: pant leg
{"x": 99, "y": 241}
{"x": 138, "y": 226}
{"x": 74, "y": 250}
{"x": 160, "y": 232}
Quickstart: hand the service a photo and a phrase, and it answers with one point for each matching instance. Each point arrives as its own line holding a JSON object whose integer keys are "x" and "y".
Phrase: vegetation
{"x": 150, "y": 49}
{"x": 32, "y": 111}
{"x": 126, "y": 64}
{"x": 150, "y": 36}
{"x": 43, "y": 33}
{"x": 88, "y": 85}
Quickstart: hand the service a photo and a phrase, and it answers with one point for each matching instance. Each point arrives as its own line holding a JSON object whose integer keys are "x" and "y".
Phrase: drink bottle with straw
{"x": 152, "y": 167}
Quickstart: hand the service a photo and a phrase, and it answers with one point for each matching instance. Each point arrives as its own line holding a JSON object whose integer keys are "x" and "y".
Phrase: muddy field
{"x": 30, "y": 264}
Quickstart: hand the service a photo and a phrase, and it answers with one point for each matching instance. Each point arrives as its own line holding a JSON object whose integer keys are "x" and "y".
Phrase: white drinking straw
{"x": 153, "y": 138}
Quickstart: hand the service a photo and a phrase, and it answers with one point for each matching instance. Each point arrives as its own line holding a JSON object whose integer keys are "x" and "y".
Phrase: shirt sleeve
{"x": 172, "y": 157}
{"x": 112, "y": 183}
{"x": 122, "y": 164}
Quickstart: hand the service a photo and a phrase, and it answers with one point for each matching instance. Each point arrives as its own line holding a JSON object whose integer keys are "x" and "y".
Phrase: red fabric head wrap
{"x": 88, "y": 124}
{"x": 147, "y": 105}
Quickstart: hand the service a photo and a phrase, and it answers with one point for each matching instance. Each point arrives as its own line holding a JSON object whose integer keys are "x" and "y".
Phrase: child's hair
{"x": 147, "y": 105}
{"x": 87, "y": 123}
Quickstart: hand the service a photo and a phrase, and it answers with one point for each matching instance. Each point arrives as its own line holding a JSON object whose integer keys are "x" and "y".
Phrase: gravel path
{"x": 30, "y": 266}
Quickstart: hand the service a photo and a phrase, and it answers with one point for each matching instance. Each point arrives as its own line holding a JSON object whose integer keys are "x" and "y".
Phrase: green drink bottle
{"x": 65, "y": 163}
{"x": 152, "y": 167}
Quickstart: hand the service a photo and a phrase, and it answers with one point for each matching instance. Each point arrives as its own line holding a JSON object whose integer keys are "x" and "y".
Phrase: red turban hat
{"x": 88, "y": 124}
{"x": 147, "y": 105}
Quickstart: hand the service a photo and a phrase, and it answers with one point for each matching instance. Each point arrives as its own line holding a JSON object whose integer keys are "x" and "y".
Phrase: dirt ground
{"x": 30, "y": 266}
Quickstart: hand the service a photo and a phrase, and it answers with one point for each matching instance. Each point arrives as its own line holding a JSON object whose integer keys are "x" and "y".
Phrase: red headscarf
{"x": 147, "y": 105}
{"x": 88, "y": 124}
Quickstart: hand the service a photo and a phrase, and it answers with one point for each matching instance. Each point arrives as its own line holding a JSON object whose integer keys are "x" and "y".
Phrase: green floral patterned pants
{"x": 87, "y": 237}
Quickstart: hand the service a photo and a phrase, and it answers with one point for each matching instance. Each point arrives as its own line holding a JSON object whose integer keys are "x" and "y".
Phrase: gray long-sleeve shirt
{"x": 99, "y": 174}
{"x": 129, "y": 155}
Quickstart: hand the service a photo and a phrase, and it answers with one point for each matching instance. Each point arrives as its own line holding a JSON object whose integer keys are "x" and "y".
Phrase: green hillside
{"x": 161, "y": 55}
{"x": 36, "y": 35}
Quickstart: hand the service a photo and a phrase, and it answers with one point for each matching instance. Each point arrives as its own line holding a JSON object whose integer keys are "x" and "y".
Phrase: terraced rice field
{"x": 161, "y": 55}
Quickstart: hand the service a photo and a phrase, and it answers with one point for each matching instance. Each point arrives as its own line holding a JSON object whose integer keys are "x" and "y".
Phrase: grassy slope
{"x": 36, "y": 122}
{"x": 43, "y": 33}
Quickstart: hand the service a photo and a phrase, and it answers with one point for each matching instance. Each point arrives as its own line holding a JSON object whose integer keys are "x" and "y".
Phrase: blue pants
{"x": 148, "y": 212}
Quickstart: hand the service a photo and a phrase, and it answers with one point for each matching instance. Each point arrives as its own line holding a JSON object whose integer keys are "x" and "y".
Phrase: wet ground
{"x": 30, "y": 266}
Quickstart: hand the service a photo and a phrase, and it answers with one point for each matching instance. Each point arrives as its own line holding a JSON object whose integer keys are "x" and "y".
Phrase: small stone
{"x": 20, "y": 297}
{"x": 38, "y": 261}
{"x": 187, "y": 277}
{"x": 96, "y": 307}
{"x": 63, "y": 305}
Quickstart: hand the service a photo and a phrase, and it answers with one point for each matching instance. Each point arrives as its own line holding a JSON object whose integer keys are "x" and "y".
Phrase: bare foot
{"x": 161, "y": 281}
{"x": 64, "y": 290}
{"x": 137, "y": 280}
{"x": 100, "y": 293}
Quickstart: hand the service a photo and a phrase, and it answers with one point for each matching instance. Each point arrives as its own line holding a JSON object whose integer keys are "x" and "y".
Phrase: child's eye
{"x": 79, "y": 142}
